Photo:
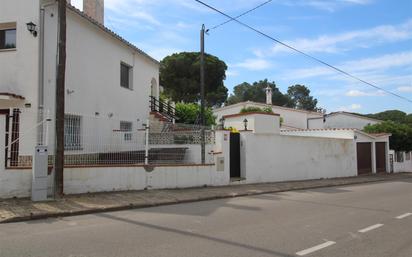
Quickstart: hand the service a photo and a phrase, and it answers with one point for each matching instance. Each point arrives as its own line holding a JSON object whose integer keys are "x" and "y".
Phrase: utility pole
{"x": 202, "y": 91}
{"x": 60, "y": 101}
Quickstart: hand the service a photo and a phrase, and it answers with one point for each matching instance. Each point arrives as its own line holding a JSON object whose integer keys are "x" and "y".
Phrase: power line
{"x": 301, "y": 52}
{"x": 240, "y": 15}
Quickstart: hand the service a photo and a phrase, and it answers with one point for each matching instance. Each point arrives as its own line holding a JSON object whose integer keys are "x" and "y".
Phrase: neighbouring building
{"x": 342, "y": 120}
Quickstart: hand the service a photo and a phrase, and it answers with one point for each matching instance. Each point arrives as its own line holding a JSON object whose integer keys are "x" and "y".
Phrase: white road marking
{"x": 315, "y": 248}
{"x": 370, "y": 228}
{"x": 404, "y": 216}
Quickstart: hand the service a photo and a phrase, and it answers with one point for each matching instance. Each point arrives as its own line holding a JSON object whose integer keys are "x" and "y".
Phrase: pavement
{"x": 363, "y": 220}
{"x": 14, "y": 210}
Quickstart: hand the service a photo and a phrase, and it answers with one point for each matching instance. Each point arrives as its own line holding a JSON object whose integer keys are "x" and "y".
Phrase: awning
{"x": 10, "y": 100}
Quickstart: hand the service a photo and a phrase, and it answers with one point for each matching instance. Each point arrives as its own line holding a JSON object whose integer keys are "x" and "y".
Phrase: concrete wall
{"x": 268, "y": 158}
{"x": 257, "y": 122}
{"x": 17, "y": 183}
{"x": 405, "y": 166}
{"x": 341, "y": 120}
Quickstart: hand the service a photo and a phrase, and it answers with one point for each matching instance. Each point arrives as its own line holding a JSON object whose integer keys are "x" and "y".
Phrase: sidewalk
{"x": 13, "y": 210}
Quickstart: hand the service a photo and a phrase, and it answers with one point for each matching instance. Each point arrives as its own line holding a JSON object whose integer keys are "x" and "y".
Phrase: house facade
{"x": 342, "y": 120}
{"x": 291, "y": 118}
{"x": 109, "y": 81}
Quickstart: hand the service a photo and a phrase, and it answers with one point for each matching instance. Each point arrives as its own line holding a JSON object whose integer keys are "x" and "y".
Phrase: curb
{"x": 195, "y": 199}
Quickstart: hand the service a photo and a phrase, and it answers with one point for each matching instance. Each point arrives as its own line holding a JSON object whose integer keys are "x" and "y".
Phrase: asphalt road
{"x": 362, "y": 220}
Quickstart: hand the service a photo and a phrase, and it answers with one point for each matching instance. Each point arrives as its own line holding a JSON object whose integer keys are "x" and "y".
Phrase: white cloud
{"x": 349, "y": 108}
{"x": 406, "y": 89}
{"x": 350, "y": 40}
{"x": 326, "y": 5}
{"x": 254, "y": 64}
{"x": 357, "y": 93}
{"x": 376, "y": 64}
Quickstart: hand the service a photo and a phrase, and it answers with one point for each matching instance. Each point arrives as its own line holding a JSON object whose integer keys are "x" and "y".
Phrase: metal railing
{"x": 103, "y": 141}
{"x": 164, "y": 108}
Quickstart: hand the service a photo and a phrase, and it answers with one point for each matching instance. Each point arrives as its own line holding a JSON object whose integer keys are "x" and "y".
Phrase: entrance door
{"x": 364, "y": 155}
{"x": 234, "y": 155}
{"x": 380, "y": 156}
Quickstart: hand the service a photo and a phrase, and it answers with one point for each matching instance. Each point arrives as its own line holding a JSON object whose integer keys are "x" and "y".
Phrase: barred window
{"x": 125, "y": 127}
{"x": 72, "y": 132}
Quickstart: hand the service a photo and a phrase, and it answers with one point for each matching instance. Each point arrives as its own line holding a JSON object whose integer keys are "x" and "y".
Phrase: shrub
{"x": 190, "y": 114}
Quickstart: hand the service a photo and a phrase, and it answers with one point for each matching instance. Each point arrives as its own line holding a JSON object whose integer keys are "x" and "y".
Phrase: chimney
{"x": 94, "y": 9}
{"x": 269, "y": 95}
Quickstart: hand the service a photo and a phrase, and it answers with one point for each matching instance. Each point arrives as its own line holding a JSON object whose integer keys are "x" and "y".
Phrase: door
{"x": 234, "y": 155}
{"x": 364, "y": 156}
{"x": 380, "y": 156}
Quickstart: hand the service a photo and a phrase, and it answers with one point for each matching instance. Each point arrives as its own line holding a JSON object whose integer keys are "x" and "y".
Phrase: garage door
{"x": 364, "y": 154}
{"x": 380, "y": 157}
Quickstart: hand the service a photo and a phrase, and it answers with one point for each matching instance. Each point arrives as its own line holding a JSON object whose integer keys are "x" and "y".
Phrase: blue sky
{"x": 371, "y": 39}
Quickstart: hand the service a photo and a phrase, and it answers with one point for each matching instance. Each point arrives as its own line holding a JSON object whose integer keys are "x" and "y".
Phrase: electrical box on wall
{"x": 220, "y": 166}
{"x": 39, "y": 182}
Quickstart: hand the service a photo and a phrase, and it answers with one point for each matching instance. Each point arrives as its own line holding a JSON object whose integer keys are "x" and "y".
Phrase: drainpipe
{"x": 41, "y": 79}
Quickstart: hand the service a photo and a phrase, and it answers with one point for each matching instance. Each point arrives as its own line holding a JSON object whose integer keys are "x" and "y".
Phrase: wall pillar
{"x": 374, "y": 157}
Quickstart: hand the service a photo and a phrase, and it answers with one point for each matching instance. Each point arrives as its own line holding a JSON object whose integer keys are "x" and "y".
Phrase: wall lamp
{"x": 245, "y": 122}
{"x": 31, "y": 27}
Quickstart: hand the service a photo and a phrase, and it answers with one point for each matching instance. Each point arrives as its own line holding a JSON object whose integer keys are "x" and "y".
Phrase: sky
{"x": 371, "y": 39}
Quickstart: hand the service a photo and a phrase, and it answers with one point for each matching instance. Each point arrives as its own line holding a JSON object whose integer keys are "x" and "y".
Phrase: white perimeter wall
{"x": 17, "y": 183}
{"x": 269, "y": 158}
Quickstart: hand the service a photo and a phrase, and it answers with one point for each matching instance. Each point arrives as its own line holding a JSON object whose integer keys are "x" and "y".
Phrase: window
{"x": 72, "y": 132}
{"x": 125, "y": 127}
{"x": 7, "y": 35}
{"x": 125, "y": 76}
{"x": 408, "y": 156}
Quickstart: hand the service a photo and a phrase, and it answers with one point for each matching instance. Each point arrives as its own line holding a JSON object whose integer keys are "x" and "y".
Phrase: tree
{"x": 401, "y": 139}
{"x": 300, "y": 98}
{"x": 256, "y": 93}
{"x": 392, "y": 115}
{"x": 180, "y": 77}
{"x": 190, "y": 114}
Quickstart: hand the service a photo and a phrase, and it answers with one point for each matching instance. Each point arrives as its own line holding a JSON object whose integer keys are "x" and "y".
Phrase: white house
{"x": 291, "y": 118}
{"x": 342, "y": 120}
{"x": 108, "y": 80}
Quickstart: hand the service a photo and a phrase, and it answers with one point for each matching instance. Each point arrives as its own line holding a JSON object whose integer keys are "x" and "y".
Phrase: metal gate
{"x": 234, "y": 155}
{"x": 364, "y": 156}
{"x": 380, "y": 157}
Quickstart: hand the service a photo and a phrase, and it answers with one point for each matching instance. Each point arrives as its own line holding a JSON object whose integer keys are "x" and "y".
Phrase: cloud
{"x": 357, "y": 93}
{"x": 349, "y": 108}
{"x": 375, "y": 64}
{"x": 350, "y": 39}
{"x": 325, "y": 5}
{"x": 406, "y": 89}
{"x": 254, "y": 64}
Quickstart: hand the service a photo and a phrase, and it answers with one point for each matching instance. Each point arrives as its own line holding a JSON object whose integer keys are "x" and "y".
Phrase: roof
{"x": 353, "y": 115}
{"x": 371, "y": 135}
{"x": 11, "y": 95}
{"x": 110, "y": 32}
{"x": 265, "y": 105}
{"x": 248, "y": 113}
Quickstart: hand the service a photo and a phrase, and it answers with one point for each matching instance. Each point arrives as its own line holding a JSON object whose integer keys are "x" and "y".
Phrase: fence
{"x": 103, "y": 140}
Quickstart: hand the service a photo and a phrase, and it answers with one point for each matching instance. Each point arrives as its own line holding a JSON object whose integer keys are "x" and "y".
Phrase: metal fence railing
{"x": 103, "y": 141}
